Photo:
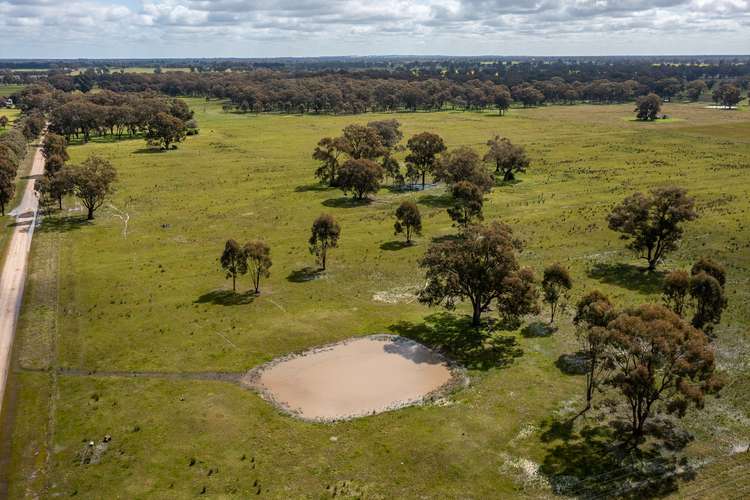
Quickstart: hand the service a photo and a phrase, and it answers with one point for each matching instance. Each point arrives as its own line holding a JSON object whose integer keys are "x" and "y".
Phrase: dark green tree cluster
{"x": 253, "y": 258}
{"x": 13, "y": 146}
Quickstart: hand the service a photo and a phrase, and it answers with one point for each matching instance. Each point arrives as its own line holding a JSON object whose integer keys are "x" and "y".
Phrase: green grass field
{"x": 155, "y": 300}
{"x": 7, "y": 90}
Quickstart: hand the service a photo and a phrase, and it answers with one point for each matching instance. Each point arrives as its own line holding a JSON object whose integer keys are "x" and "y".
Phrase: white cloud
{"x": 156, "y": 28}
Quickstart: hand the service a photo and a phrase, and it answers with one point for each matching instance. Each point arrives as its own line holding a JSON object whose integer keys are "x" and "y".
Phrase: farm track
{"x": 77, "y": 372}
{"x": 13, "y": 277}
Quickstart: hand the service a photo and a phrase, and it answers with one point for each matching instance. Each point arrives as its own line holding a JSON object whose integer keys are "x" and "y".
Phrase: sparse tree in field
{"x": 695, "y": 89}
{"x": 3, "y": 121}
{"x": 408, "y": 220}
{"x": 520, "y": 297}
{"x": 470, "y": 268}
{"x": 593, "y": 313}
{"x": 502, "y": 99}
{"x": 44, "y": 194}
{"x": 466, "y": 203}
{"x": 92, "y": 182}
{"x": 327, "y": 152}
{"x": 657, "y": 360}
{"x": 362, "y": 177}
{"x": 727, "y": 95}
{"x": 325, "y": 235}
{"x": 361, "y": 142}
{"x": 463, "y": 164}
{"x": 258, "y": 255}
{"x": 712, "y": 268}
{"x": 7, "y": 188}
{"x": 55, "y": 145}
{"x": 647, "y": 107}
{"x": 709, "y": 301}
{"x": 60, "y": 185}
{"x": 676, "y": 290}
{"x": 653, "y": 223}
{"x": 233, "y": 261}
{"x": 165, "y": 130}
{"x": 423, "y": 150}
{"x": 555, "y": 283}
{"x": 508, "y": 158}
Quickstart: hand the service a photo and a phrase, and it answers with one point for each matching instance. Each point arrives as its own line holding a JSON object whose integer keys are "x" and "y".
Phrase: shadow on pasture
{"x": 63, "y": 224}
{"x": 346, "y": 202}
{"x": 226, "y": 298}
{"x": 435, "y": 200}
{"x": 317, "y": 187}
{"x": 413, "y": 352}
{"x": 628, "y": 276}
{"x": 145, "y": 151}
{"x": 395, "y": 245}
{"x": 538, "y": 329}
{"x": 592, "y": 462}
{"x": 499, "y": 182}
{"x": 456, "y": 338}
{"x": 305, "y": 274}
{"x": 572, "y": 364}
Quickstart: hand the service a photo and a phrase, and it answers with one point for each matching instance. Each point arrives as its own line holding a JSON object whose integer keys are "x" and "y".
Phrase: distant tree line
{"x": 13, "y": 148}
{"x": 161, "y": 120}
{"x": 266, "y": 90}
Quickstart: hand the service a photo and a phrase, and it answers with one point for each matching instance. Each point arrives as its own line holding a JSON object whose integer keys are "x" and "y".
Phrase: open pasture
{"x": 105, "y": 299}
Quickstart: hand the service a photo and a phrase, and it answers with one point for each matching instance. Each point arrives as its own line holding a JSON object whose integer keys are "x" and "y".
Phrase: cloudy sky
{"x": 268, "y": 28}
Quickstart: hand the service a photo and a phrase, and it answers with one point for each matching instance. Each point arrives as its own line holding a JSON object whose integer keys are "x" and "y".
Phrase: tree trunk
{"x": 423, "y": 175}
{"x": 234, "y": 282}
{"x": 90, "y": 215}
{"x": 508, "y": 176}
{"x": 476, "y": 317}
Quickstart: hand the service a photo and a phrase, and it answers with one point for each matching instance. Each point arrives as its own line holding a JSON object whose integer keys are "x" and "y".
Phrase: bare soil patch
{"x": 354, "y": 378}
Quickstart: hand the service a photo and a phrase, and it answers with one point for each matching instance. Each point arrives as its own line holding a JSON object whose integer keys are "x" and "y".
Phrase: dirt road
{"x": 14, "y": 271}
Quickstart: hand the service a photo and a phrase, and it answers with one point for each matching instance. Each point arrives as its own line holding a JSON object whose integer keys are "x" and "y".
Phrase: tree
{"x": 462, "y": 164}
{"x": 656, "y": 357}
{"x": 258, "y": 255}
{"x": 695, "y": 89}
{"x": 55, "y": 145}
{"x": 7, "y": 188}
{"x": 710, "y": 267}
{"x": 675, "y": 291}
{"x": 520, "y": 297}
{"x": 327, "y": 152}
{"x": 361, "y": 142}
{"x": 709, "y": 301}
{"x": 389, "y": 132}
{"x": 325, "y": 235}
{"x": 43, "y": 193}
{"x": 423, "y": 148}
{"x": 652, "y": 223}
{"x": 408, "y": 220}
{"x": 92, "y": 182}
{"x": 466, "y": 203}
{"x": 362, "y": 177}
{"x": 165, "y": 129}
{"x": 727, "y": 95}
{"x": 502, "y": 99}
{"x": 3, "y": 121}
{"x": 233, "y": 261}
{"x": 471, "y": 267}
{"x": 33, "y": 125}
{"x": 647, "y": 107}
{"x": 53, "y": 164}
{"x": 508, "y": 158}
{"x": 555, "y": 283}
{"x": 593, "y": 313}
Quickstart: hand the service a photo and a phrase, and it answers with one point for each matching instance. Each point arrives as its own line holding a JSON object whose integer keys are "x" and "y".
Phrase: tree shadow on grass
{"x": 628, "y": 276}
{"x": 346, "y": 202}
{"x": 395, "y": 245}
{"x": 145, "y": 151}
{"x": 226, "y": 298}
{"x": 63, "y": 224}
{"x": 305, "y": 274}
{"x": 593, "y": 463}
{"x": 456, "y": 338}
{"x": 435, "y": 200}
{"x": 538, "y": 329}
{"x": 317, "y": 187}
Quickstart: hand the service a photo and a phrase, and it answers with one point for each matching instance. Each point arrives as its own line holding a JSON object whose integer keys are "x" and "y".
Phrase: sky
{"x": 274, "y": 28}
